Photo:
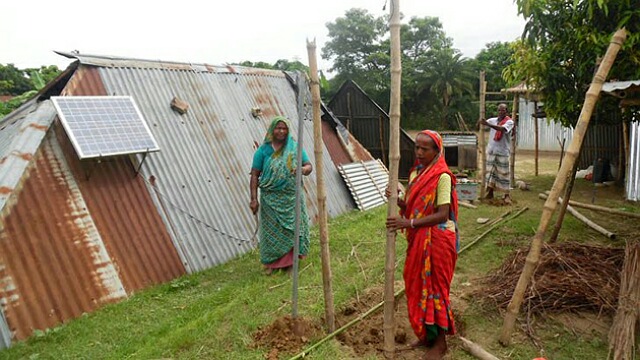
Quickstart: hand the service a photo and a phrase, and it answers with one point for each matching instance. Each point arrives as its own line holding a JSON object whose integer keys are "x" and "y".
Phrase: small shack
{"x": 369, "y": 124}
{"x": 460, "y": 149}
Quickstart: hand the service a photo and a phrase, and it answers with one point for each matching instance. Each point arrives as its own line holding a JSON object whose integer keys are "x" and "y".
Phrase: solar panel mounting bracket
{"x": 144, "y": 157}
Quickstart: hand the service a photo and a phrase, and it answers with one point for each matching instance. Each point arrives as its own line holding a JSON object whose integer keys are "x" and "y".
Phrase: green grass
{"x": 214, "y": 314}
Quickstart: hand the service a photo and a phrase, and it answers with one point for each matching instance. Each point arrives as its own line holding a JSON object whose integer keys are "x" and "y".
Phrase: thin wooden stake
{"x": 514, "y": 136}
{"x": 481, "y": 147}
{"x": 389, "y": 326}
{"x": 325, "y": 254}
{"x": 550, "y": 204}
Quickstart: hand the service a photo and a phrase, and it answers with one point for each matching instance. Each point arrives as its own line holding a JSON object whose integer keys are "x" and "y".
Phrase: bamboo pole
{"x": 550, "y": 204}
{"x": 493, "y": 226}
{"x": 536, "y": 134}
{"x": 512, "y": 158}
{"x": 583, "y": 218}
{"x": 389, "y": 326}
{"x": 476, "y": 350}
{"x": 565, "y": 203}
{"x": 325, "y": 255}
{"x": 481, "y": 147}
{"x": 602, "y": 209}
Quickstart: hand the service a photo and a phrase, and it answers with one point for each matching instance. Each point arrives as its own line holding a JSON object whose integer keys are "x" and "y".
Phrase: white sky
{"x": 220, "y": 32}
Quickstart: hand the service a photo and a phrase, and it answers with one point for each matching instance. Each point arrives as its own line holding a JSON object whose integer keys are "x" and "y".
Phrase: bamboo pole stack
{"x": 551, "y": 202}
{"x": 329, "y": 312}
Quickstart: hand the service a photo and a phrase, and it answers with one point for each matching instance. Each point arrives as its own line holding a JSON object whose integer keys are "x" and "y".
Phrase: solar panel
{"x": 100, "y": 126}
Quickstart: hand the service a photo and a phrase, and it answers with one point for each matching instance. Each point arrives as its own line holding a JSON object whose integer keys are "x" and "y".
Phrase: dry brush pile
{"x": 569, "y": 277}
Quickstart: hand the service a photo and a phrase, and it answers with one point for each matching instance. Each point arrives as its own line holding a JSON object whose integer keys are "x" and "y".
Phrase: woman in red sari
{"x": 429, "y": 217}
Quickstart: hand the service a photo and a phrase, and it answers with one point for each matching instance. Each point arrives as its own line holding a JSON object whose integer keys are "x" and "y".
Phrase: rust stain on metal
{"x": 5, "y": 190}
{"x": 38, "y": 127}
{"x": 231, "y": 69}
{"x": 23, "y": 156}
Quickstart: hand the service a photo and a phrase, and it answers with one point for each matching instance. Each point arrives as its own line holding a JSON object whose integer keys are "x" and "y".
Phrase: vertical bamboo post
{"x": 550, "y": 204}
{"x": 481, "y": 147}
{"x": 565, "y": 203}
{"x": 325, "y": 256}
{"x": 389, "y": 326}
{"x": 514, "y": 132}
{"x": 536, "y": 135}
{"x": 625, "y": 141}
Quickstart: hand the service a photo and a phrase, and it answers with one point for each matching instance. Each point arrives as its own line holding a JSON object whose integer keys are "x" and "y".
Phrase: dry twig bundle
{"x": 569, "y": 277}
{"x": 622, "y": 333}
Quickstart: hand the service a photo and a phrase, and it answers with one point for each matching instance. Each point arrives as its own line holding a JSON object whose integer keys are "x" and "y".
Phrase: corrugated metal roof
{"x": 612, "y": 86}
{"x": 200, "y": 178}
{"x": 20, "y": 135}
{"x": 5, "y": 333}
{"x": 367, "y": 182}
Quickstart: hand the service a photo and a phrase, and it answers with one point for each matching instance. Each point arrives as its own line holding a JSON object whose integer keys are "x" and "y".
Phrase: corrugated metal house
{"x": 79, "y": 234}
{"x": 369, "y": 123}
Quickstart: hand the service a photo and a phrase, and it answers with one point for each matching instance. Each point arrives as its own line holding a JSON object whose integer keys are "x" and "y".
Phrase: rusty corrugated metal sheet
{"x": 54, "y": 265}
{"x": 200, "y": 177}
{"x": 330, "y": 138}
{"x": 122, "y": 208}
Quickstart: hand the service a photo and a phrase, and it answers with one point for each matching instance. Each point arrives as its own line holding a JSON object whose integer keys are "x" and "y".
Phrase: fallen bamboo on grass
{"x": 601, "y": 208}
{"x": 583, "y": 218}
{"x": 499, "y": 218}
{"x": 476, "y": 350}
{"x": 467, "y": 205}
{"x": 491, "y": 229}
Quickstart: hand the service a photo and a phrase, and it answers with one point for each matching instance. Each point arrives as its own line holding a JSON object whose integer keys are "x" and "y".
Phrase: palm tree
{"x": 447, "y": 76}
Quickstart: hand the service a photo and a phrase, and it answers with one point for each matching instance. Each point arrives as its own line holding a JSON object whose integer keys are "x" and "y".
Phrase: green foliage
{"x": 14, "y": 81}
{"x": 564, "y": 39}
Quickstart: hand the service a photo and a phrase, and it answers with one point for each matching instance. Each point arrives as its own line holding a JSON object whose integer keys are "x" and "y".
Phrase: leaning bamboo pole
{"x": 389, "y": 327}
{"x": 325, "y": 256}
{"x": 565, "y": 203}
{"x": 514, "y": 132}
{"x": 481, "y": 148}
{"x": 550, "y": 204}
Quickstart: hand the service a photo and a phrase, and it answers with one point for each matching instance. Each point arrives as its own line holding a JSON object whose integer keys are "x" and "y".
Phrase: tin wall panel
{"x": 200, "y": 177}
{"x": 600, "y": 141}
{"x": 53, "y": 263}
{"x": 338, "y": 153}
{"x": 632, "y": 185}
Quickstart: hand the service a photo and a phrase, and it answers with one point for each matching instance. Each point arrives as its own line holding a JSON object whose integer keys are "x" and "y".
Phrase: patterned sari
{"x": 277, "y": 201}
{"x": 431, "y": 253}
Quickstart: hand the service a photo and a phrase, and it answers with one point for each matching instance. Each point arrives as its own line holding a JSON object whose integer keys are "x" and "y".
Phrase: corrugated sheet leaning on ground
{"x": 200, "y": 177}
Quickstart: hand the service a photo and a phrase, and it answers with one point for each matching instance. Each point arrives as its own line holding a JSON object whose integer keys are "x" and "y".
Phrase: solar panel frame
{"x": 101, "y": 126}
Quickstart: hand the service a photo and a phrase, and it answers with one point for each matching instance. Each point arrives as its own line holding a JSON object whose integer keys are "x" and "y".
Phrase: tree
{"x": 493, "y": 59}
{"x": 563, "y": 39}
{"x": 13, "y": 81}
{"x": 448, "y": 76}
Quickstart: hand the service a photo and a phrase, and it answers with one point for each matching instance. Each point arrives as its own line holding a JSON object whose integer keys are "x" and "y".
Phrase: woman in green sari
{"x": 274, "y": 171}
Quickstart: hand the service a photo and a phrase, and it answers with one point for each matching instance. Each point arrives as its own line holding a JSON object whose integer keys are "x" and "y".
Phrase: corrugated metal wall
{"x": 55, "y": 264}
{"x": 601, "y": 141}
{"x": 633, "y": 173}
{"x": 549, "y": 132}
{"x": 121, "y": 206}
{"x": 200, "y": 177}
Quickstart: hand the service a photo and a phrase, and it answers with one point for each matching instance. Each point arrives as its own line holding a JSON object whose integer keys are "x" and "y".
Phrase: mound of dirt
{"x": 287, "y": 336}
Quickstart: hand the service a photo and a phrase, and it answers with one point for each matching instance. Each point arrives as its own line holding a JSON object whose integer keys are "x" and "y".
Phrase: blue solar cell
{"x": 100, "y": 126}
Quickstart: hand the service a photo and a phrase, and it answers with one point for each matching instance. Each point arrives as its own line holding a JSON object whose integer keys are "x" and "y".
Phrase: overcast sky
{"x": 220, "y": 32}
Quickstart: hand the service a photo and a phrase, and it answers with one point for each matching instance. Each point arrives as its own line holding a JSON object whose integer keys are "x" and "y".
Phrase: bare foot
{"x": 507, "y": 200}
{"x": 439, "y": 348}
{"x": 268, "y": 271}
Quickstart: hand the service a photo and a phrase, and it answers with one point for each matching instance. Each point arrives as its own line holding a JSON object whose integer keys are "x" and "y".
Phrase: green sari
{"x": 278, "y": 198}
